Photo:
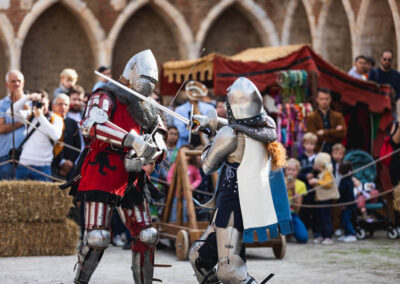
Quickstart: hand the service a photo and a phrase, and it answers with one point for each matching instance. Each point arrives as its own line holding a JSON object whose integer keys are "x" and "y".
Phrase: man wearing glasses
{"x": 384, "y": 74}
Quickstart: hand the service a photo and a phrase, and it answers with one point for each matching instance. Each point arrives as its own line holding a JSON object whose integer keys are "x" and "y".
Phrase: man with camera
{"x": 15, "y": 85}
{"x": 43, "y": 131}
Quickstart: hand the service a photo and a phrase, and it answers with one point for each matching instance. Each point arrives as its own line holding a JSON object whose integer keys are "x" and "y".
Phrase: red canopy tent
{"x": 261, "y": 65}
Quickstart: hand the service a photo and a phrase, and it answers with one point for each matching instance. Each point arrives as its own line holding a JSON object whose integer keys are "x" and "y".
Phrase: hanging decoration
{"x": 293, "y": 84}
{"x": 293, "y": 109}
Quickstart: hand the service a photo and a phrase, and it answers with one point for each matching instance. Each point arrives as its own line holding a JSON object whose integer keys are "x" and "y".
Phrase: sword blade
{"x": 146, "y": 99}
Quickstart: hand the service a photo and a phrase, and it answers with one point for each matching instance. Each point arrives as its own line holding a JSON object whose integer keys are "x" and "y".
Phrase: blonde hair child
{"x": 326, "y": 187}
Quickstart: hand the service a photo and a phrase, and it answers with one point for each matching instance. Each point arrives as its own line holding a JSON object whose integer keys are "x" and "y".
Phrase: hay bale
{"x": 396, "y": 198}
{"x": 33, "y": 201}
{"x": 37, "y": 239}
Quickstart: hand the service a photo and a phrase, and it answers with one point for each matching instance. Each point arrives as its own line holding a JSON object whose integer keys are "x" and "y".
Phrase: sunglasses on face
{"x": 387, "y": 59}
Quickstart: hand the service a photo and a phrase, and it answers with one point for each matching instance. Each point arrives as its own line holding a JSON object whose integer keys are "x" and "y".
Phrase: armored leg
{"x": 232, "y": 267}
{"x": 203, "y": 256}
{"x": 145, "y": 237}
{"x": 96, "y": 240}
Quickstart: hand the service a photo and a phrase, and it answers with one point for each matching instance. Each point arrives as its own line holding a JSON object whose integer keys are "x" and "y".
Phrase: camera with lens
{"x": 37, "y": 104}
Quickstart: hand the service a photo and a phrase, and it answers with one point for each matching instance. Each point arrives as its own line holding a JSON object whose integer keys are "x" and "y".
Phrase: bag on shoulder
{"x": 17, "y": 154}
{"x": 18, "y": 151}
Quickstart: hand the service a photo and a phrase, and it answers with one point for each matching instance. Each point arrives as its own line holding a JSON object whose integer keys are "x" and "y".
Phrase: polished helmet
{"x": 141, "y": 73}
{"x": 244, "y": 101}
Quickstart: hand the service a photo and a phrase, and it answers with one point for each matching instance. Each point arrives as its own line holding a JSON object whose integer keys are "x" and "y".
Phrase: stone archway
{"x": 83, "y": 14}
{"x": 252, "y": 15}
{"x": 56, "y": 40}
{"x": 296, "y": 27}
{"x": 6, "y": 51}
{"x": 4, "y": 67}
{"x": 168, "y": 13}
{"x": 134, "y": 37}
{"x": 231, "y": 33}
{"x": 377, "y": 30}
{"x": 334, "y": 36}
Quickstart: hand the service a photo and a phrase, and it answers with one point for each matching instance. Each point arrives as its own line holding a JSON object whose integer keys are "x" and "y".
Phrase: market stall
{"x": 366, "y": 105}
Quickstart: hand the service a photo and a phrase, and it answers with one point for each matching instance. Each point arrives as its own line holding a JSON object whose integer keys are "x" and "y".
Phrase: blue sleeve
{"x": 183, "y": 132}
{"x": 3, "y": 108}
{"x": 396, "y": 85}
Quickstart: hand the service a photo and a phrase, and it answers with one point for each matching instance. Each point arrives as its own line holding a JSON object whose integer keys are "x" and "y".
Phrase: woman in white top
{"x": 37, "y": 152}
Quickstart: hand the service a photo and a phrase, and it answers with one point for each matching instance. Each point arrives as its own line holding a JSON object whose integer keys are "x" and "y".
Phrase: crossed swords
{"x": 146, "y": 99}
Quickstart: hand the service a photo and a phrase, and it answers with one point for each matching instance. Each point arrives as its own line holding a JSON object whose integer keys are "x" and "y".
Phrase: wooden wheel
{"x": 280, "y": 249}
{"x": 182, "y": 245}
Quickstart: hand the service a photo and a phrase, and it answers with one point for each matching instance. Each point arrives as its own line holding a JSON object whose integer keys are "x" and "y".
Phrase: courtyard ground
{"x": 376, "y": 260}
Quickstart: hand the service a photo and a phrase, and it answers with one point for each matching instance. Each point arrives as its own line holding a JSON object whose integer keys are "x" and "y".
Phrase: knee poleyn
{"x": 149, "y": 236}
{"x": 98, "y": 238}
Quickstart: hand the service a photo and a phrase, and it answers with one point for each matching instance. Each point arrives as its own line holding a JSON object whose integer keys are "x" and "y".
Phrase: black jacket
{"x": 71, "y": 137}
{"x": 346, "y": 189}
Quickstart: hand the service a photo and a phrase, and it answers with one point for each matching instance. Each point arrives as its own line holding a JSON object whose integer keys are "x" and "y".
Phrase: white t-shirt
{"x": 38, "y": 150}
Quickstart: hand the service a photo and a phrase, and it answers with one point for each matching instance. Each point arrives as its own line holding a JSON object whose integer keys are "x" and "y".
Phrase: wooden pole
{"x": 187, "y": 193}
{"x": 166, "y": 214}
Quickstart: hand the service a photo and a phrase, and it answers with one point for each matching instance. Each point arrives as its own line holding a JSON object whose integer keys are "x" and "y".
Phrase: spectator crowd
{"x": 43, "y": 134}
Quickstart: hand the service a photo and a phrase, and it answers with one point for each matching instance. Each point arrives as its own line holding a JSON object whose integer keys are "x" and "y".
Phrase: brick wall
{"x": 56, "y": 41}
{"x": 145, "y": 29}
{"x": 300, "y": 28}
{"x": 378, "y": 31}
{"x": 231, "y": 33}
{"x": 50, "y": 40}
{"x": 194, "y": 11}
{"x": 276, "y": 10}
{"x": 3, "y": 70}
{"x": 336, "y": 40}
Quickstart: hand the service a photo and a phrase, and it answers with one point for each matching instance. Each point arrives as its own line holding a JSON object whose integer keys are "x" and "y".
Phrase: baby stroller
{"x": 365, "y": 227}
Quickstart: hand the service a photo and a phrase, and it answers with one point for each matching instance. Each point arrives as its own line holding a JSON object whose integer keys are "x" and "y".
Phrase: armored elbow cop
{"x": 225, "y": 143}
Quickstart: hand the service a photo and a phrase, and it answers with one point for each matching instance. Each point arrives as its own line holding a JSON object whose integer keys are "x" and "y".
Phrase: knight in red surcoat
{"x": 123, "y": 133}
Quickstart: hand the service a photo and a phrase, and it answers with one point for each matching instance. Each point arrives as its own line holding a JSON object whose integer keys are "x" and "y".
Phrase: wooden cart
{"x": 185, "y": 233}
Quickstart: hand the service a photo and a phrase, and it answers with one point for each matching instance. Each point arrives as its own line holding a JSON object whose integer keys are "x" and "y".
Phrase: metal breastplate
{"x": 237, "y": 155}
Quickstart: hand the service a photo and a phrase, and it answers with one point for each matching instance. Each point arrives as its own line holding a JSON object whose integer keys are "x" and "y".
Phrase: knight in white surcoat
{"x": 251, "y": 203}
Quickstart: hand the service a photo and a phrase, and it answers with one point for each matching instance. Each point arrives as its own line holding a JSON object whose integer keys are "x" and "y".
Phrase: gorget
{"x": 261, "y": 128}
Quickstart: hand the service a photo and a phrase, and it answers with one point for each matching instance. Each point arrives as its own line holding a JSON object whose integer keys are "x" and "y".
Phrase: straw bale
{"x": 37, "y": 239}
{"x": 396, "y": 198}
{"x": 33, "y": 201}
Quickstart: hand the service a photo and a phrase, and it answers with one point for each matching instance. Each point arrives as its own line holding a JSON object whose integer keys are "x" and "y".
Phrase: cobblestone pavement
{"x": 375, "y": 260}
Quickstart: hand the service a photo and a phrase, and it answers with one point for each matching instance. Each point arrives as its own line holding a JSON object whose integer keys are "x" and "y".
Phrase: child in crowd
{"x": 325, "y": 192}
{"x": 296, "y": 189}
{"x": 308, "y": 157}
{"x": 338, "y": 152}
{"x": 346, "y": 188}
{"x": 306, "y": 165}
{"x": 362, "y": 193}
{"x": 68, "y": 79}
{"x": 194, "y": 178}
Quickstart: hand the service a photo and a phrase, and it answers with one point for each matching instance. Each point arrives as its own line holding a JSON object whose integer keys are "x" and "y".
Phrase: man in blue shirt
{"x": 195, "y": 91}
{"x": 385, "y": 74}
{"x": 15, "y": 84}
